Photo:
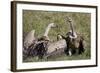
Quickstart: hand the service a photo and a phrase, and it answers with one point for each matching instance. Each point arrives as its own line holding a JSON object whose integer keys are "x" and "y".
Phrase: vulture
{"x": 31, "y": 39}
{"x": 75, "y": 42}
{"x": 33, "y": 45}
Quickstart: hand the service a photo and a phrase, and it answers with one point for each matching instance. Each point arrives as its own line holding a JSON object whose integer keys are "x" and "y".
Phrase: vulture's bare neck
{"x": 47, "y": 30}
{"x": 72, "y": 28}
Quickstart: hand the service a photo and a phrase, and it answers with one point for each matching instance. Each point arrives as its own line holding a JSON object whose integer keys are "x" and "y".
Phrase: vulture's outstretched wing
{"x": 61, "y": 44}
{"x": 29, "y": 39}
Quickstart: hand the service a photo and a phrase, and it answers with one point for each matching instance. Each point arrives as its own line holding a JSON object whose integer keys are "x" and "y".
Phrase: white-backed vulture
{"x": 74, "y": 40}
{"x": 31, "y": 42}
